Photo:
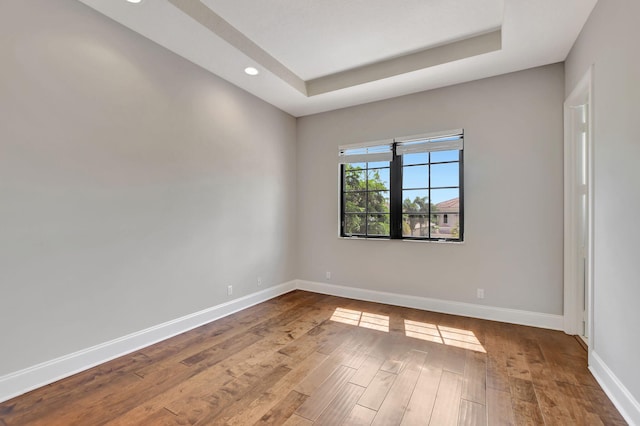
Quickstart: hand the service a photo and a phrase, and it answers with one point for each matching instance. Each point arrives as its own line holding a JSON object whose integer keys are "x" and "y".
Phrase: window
{"x": 406, "y": 188}
{"x": 366, "y": 190}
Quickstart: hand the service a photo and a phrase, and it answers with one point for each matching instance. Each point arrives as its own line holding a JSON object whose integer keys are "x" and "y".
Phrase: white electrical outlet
{"x": 259, "y": 281}
{"x": 229, "y": 290}
{"x": 480, "y": 293}
{"x": 328, "y": 275}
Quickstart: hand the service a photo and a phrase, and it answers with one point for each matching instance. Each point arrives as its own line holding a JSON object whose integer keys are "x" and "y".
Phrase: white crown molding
{"x": 216, "y": 24}
{"x": 427, "y": 58}
{"x": 467, "y": 47}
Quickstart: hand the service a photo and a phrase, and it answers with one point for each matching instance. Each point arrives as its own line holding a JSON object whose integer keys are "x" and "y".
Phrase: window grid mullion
{"x": 461, "y": 195}
{"x": 429, "y": 197}
{"x": 343, "y": 216}
{"x": 395, "y": 191}
{"x": 366, "y": 201}
{"x": 395, "y": 198}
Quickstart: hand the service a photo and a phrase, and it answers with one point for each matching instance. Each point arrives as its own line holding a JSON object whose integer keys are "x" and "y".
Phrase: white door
{"x": 582, "y": 212}
{"x": 578, "y": 235}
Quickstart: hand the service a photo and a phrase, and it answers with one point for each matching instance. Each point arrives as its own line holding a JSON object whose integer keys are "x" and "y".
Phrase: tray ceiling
{"x": 315, "y": 56}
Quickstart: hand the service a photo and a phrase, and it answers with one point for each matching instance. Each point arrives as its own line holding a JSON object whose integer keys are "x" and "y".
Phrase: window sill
{"x": 402, "y": 240}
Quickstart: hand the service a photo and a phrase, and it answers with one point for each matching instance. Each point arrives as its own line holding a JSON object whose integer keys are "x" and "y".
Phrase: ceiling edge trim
{"x": 473, "y": 46}
{"x": 216, "y": 24}
{"x": 450, "y": 52}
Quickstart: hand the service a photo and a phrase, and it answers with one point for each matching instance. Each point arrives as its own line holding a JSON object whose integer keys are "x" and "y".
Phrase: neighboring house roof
{"x": 452, "y": 205}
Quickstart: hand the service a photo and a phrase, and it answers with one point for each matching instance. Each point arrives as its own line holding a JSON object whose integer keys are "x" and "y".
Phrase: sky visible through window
{"x": 415, "y": 176}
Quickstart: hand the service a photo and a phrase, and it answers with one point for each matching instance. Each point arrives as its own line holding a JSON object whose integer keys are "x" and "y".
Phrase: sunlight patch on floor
{"x": 361, "y": 319}
{"x": 451, "y": 336}
{"x": 441, "y": 334}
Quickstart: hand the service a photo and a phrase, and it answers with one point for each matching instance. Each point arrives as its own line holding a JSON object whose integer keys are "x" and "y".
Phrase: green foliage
{"x": 417, "y": 206}
{"x": 456, "y": 230}
{"x": 406, "y": 227}
{"x": 360, "y": 199}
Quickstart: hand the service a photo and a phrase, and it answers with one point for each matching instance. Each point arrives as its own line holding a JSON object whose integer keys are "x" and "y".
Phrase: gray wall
{"x": 513, "y": 194}
{"x": 609, "y": 40}
{"x": 134, "y": 186}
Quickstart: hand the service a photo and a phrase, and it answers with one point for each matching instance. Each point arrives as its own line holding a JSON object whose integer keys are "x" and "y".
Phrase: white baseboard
{"x": 514, "y": 316}
{"x": 615, "y": 390}
{"x": 20, "y": 382}
{"x": 628, "y": 406}
{"x": 23, "y": 381}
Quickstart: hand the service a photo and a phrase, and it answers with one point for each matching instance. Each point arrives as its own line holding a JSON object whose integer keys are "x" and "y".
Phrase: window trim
{"x": 455, "y": 142}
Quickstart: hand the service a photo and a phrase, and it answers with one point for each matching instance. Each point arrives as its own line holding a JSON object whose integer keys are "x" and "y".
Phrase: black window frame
{"x": 395, "y": 205}
{"x": 367, "y": 213}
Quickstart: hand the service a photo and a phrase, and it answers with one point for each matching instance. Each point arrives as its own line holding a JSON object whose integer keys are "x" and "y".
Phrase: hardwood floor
{"x": 305, "y": 358}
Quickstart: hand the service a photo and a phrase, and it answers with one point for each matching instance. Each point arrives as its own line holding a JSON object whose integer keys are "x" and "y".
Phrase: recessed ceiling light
{"x": 135, "y": 1}
{"x": 251, "y": 71}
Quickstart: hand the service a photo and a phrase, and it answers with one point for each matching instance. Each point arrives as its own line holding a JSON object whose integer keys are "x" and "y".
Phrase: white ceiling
{"x": 316, "y": 56}
{"x": 316, "y": 38}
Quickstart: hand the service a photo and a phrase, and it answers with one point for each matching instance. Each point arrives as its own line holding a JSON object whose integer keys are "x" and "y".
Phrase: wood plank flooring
{"x": 311, "y": 359}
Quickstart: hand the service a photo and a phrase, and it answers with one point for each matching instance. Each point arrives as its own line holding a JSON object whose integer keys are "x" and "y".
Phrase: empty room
{"x": 299, "y": 212}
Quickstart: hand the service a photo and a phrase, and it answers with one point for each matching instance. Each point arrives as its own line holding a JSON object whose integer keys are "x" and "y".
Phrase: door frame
{"x": 573, "y": 314}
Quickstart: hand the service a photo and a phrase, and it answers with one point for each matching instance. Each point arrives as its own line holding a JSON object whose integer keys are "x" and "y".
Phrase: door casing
{"x": 582, "y": 94}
